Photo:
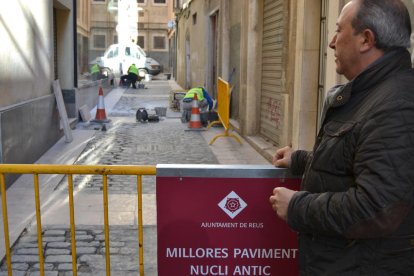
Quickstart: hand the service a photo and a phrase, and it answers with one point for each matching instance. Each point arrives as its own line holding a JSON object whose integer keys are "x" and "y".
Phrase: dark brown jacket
{"x": 355, "y": 212}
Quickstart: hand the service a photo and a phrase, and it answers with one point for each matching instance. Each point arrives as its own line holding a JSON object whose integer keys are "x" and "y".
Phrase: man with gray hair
{"x": 354, "y": 213}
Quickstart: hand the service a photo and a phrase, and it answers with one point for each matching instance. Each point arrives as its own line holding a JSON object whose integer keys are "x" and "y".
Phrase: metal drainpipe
{"x": 75, "y": 47}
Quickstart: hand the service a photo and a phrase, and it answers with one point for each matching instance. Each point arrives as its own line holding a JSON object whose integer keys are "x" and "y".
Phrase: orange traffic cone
{"x": 100, "y": 109}
{"x": 195, "y": 121}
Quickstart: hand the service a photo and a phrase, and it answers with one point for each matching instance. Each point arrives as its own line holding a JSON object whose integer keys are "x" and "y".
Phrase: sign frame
{"x": 217, "y": 220}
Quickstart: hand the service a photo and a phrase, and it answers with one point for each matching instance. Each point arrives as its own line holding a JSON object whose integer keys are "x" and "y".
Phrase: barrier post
{"x": 106, "y": 223}
{"x": 5, "y": 223}
{"x": 39, "y": 225}
{"x": 140, "y": 230}
{"x": 72, "y": 224}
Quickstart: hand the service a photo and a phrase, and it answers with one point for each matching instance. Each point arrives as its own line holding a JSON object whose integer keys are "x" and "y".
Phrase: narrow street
{"x": 125, "y": 142}
{"x": 315, "y": 97}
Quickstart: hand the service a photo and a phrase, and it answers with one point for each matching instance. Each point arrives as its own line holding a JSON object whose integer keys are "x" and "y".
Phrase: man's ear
{"x": 368, "y": 40}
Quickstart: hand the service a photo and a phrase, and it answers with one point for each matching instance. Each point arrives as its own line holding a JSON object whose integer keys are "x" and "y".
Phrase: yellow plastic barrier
{"x": 223, "y": 111}
{"x": 69, "y": 170}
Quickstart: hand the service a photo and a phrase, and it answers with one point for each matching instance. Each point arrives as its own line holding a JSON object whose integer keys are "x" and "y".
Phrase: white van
{"x": 152, "y": 66}
{"x": 118, "y": 58}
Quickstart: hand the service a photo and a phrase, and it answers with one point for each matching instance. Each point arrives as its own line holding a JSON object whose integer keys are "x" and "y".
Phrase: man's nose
{"x": 332, "y": 43}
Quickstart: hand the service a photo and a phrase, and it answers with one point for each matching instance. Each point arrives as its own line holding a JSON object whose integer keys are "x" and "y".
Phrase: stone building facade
{"x": 275, "y": 55}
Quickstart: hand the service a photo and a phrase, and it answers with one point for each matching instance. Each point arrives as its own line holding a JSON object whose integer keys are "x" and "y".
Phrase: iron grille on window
{"x": 159, "y": 42}
{"x": 99, "y": 41}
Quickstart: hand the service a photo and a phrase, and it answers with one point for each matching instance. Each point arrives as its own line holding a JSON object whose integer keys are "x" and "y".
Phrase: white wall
{"x": 26, "y": 52}
{"x": 29, "y": 120}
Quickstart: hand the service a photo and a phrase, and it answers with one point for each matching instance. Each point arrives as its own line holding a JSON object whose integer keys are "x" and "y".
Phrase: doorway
{"x": 212, "y": 74}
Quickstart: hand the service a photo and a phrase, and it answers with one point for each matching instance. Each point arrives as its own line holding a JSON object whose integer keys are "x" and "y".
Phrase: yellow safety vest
{"x": 192, "y": 91}
{"x": 95, "y": 69}
{"x": 132, "y": 69}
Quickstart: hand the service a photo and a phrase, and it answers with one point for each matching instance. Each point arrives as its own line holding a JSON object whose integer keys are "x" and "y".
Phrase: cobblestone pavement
{"x": 125, "y": 142}
{"x": 90, "y": 250}
{"x": 152, "y": 96}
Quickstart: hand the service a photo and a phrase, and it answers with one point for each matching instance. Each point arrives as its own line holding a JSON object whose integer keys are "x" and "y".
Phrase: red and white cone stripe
{"x": 100, "y": 109}
{"x": 195, "y": 121}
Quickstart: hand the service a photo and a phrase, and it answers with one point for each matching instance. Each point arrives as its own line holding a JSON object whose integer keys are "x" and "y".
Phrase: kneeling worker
{"x": 132, "y": 76}
{"x": 95, "y": 72}
{"x": 204, "y": 102}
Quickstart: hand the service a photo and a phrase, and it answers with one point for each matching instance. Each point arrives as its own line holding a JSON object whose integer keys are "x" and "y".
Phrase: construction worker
{"x": 95, "y": 71}
{"x": 204, "y": 102}
{"x": 132, "y": 76}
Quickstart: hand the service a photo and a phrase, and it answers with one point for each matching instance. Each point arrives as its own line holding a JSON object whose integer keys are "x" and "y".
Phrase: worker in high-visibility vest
{"x": 204, "y": 102}
{"x": 95, "y": 71}
{"x": 132, "y": 76}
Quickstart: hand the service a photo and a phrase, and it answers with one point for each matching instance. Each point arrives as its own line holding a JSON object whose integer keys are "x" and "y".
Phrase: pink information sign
{"x": 217, "y": 220}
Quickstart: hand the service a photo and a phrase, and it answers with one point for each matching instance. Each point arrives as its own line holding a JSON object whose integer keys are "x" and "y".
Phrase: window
{"x": 159, "y": 2}
{"x": 141, "y": 13}
{"x": 141, "y": 41}
{"x": 159, "y": 42}
{"x": 101, "y": 1}
{"x": 127, "y": 51}
{"x": 115, "y": 39}
{"x": 113, "y": 53}
{"x": 141, "y": 1}
{"x": 99, "y": 41}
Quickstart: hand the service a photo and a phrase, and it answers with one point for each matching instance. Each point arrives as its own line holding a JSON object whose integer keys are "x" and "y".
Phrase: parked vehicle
{"x": 152, "y": 66}
{"x": 119, "y": 57}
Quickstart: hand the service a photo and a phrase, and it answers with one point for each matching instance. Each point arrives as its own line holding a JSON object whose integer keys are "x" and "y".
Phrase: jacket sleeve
{"x": 208, "y": 98}
{"x": 298, "y": 162}
{"x": 382, "y": 187}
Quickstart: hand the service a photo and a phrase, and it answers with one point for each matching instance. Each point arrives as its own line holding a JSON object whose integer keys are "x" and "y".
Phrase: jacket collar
{"x": 391, "y": 62}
